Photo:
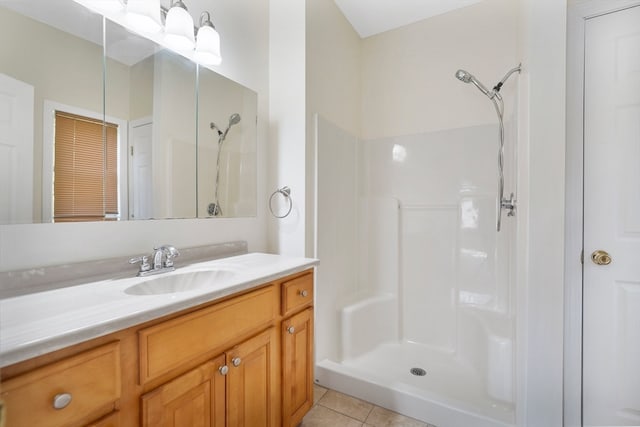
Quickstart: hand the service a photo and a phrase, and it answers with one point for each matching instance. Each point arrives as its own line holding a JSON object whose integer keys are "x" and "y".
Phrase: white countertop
{"x": 35, "y": 324}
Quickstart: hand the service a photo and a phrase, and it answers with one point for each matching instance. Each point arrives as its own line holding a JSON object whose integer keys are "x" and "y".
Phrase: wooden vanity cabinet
{"x": 244, "y": 361}
{"x": 78, "y": 390}
{"x": 237, "y": 388}
{"x": 297, "y": 349}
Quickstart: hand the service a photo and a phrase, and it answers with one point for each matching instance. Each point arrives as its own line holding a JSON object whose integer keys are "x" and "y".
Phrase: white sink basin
{"x": 179, "y": 282}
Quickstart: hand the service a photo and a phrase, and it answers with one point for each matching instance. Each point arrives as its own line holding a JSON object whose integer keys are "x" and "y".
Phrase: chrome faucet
{"x": 163, "y": 257}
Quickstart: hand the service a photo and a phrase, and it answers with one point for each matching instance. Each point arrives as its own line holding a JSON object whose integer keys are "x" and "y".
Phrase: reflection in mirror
{"x": 153, "y": 91}
{"x": 52, "y": 74}
{"x": 227, "y": 161}
{"x": 46, "y": 67}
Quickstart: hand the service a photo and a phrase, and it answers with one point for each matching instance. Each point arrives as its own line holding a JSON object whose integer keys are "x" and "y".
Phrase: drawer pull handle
{"x": 291, "y": 330}
{"x": 236, "y": 361}
{"x": 304, "y": 293}
{"x": 224, "y": 370}
{"x": 62, "y": 400}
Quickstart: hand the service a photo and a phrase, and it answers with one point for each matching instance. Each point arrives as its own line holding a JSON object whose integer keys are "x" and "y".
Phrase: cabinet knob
{"x": 236, "y": 361}
{"x": 304, "y": 293}
{"x": 61, "y": 400}
{"x": 291, "y": 329}
{"x": 224, "y": 370}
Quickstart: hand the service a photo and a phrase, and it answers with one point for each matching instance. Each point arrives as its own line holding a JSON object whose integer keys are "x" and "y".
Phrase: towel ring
{"x": 286, "y": 192}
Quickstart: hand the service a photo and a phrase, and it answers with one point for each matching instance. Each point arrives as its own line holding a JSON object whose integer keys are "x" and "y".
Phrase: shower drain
{"x": 419, "y": 372}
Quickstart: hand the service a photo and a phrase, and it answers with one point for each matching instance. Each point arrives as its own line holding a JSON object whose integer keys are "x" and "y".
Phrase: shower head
{"x": 463, "y": 76}
{"x": 234, "y": 119}
{"x": 466, "y": 77}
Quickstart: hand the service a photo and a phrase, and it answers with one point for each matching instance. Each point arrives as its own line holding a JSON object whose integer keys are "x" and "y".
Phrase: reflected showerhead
{"x": 465, "y": 76}
{"x": 234, "y": 119}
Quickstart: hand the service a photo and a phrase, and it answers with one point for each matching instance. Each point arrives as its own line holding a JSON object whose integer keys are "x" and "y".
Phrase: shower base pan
{"x": 418, "y": 382}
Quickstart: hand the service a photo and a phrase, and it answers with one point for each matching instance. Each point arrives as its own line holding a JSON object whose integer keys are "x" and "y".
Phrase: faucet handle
{"x": 170, "y": 253}
{"x": 144, "y": 262}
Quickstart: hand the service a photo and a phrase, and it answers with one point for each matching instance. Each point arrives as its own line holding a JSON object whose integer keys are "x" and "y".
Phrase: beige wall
{"x": 333, "y": 81}
{"x": 408, "y": 83}
{"x": 141, "y": 77}
{"x": 287, "y": 149}
{"x": 334, "y": 67}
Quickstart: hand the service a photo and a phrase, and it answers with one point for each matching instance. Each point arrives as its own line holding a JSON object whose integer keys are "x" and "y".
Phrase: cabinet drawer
{"x": 111, "y": 420}
{"x": 91, "y": 380}
{"x": 174, "y": 343}
{"x": 297, "y": 293}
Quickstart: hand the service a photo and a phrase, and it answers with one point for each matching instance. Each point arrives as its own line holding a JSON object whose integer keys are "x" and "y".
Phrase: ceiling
{"x": 369, "y": 17}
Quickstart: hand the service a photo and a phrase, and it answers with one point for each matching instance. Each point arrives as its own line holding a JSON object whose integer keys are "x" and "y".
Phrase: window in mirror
{"x": 85, "y": 169}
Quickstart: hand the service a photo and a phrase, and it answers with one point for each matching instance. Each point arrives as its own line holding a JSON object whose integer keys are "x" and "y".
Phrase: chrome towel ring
{"x": 286, "y": 193}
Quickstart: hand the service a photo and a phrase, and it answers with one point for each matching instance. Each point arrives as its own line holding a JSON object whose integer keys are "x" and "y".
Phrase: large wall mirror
{"x": 171, "y": 139}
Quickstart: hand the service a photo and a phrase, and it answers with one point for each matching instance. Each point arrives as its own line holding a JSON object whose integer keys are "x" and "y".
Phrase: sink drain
{"x": 419, "y": 372}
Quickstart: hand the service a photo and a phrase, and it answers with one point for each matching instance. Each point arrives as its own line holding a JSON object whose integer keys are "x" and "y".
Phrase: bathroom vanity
{"x": 238, "y": 353}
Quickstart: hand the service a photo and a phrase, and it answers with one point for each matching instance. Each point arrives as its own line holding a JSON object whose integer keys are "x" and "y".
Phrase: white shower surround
{"x": 413, "y": 274}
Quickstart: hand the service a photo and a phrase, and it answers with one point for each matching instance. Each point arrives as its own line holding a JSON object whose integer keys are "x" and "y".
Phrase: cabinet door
{"x": 194, "y": 399}
{"x": 297, "y": 367}
{"x": 252, "y": 387}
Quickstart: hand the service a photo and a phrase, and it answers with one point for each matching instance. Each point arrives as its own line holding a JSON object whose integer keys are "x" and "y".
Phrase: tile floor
{"x": 333, "y": 409}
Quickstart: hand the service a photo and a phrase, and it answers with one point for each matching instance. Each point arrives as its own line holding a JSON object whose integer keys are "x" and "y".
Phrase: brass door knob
{"x": 601, "y": 257}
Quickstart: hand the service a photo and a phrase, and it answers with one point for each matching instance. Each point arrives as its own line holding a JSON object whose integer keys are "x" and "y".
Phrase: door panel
{"x": 611, "y": 347}
{"x": 16, "y": 151}
{"x": 141, "y": 171}
{"x": 194, "y": 399}
{"x": 297, "y": 366}
{"x": 252, "y": 391}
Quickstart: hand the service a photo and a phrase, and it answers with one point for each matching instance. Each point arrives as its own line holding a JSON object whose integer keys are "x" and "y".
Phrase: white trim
{"x": 576, "y": 17}
{"x": 48, "y": 136}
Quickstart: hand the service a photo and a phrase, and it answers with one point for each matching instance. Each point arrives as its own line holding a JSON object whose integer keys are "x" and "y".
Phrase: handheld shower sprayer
{"x": 467, "y": 77}
{"x": 494, "y": 95}
{"x": 214, "y": 208}
{"x": 234, "y": 119}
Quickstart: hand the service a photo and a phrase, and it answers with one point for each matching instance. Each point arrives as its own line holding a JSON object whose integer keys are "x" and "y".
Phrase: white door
{"x": 140, "y": 170}
{"x": 611, "y": 340}
{"x": 16, "y": 151}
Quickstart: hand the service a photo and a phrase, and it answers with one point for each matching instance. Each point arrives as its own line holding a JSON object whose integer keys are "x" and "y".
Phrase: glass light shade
{"x": 208, "y": 46}
{"x": 179, "y": 29}
{"x": 144, "y": 15}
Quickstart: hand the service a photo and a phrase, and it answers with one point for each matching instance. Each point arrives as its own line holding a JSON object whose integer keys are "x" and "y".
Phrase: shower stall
{"x": 415, "y": 299}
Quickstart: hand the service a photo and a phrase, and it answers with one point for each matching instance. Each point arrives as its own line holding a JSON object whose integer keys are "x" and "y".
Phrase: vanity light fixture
{"x": 178, "y": 29}
{"x": 208, "y": 42}
{"x": 144, "y": 15}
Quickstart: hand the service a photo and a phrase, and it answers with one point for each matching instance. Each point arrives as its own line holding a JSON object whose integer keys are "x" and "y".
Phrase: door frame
{"x": 48, "y": 137}
{"x": 577, "y": 15}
